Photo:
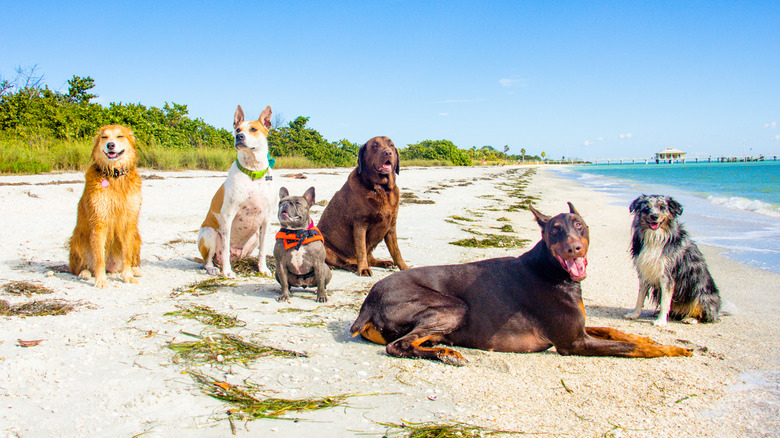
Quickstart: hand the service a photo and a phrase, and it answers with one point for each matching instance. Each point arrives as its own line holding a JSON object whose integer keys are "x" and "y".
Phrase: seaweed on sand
{"x": 492, "y": 241}
{"x": 440, "y": 430}
{"x": 225, "y": 348}
{"x": 207, "y": 315}
{"x": 25, "y": 288}
{"x": 248, "y": 405}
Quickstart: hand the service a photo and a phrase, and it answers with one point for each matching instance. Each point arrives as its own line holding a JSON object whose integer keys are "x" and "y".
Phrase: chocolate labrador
{"x": 364, "y": 211}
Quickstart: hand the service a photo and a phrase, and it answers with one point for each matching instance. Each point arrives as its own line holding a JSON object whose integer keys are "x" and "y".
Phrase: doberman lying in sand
{"x": 516, "y": 304}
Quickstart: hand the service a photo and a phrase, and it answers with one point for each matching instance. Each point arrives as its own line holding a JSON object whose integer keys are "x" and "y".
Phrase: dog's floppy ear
{"x": 283, "y": 193}
{"x": 361, "y": 158}
{"x": 265, "y": 117}
{"x": 397, "y": 159}
{"x": 636, "y": 203}
{"x": 674, "y": 207}
{"x": 541, "y": 219}
{"x": 309, "y": 196}
{"x": 238, "y": 117}
{"x": 573, "y": 210}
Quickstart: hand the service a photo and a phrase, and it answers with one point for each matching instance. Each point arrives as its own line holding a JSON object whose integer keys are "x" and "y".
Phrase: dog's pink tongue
{"x": 576, "y": 267}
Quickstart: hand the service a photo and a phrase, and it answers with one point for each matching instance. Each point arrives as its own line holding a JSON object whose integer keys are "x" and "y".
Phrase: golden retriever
{"x": 106, "y": 237}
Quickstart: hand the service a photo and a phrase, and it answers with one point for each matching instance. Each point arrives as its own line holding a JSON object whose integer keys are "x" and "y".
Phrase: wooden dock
{"x": 697, "y": 159}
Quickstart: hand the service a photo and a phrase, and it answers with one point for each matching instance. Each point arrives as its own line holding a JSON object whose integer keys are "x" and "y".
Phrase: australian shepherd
{"x": 669, "y": 264}
{"x": 106, "y": 236}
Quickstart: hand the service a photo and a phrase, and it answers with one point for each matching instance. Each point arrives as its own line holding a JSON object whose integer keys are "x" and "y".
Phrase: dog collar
{"x": 297, "y": 238}
{"x": 258, "y": 174}
{"x": 112, "y": 173}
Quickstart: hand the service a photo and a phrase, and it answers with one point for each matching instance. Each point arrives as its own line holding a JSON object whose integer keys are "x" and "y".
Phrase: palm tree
{"x": 522, "y": 151}
{"x": 543, "y": 155}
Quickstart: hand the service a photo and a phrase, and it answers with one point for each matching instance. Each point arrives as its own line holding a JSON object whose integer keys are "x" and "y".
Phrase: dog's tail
{"x": 710, "y": 307}
{"x": 360, "y": 323}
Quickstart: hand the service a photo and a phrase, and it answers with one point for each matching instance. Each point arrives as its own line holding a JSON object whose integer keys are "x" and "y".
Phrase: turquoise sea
{"x": 735, "y": 206}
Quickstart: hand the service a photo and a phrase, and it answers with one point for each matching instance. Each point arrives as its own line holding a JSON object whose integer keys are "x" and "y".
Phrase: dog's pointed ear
{"x": 309, "y": 196}
{"x": 674, "y": 207}
{"x": 573, "y": 210}
{"x": 283, "y": 193}
{"x": 541, "y": 219}
{"x": 635, "y": 204}
{"x": 265, "y": 117}
{"x": 361, "y": 158}
{"x": 238, "y": 117}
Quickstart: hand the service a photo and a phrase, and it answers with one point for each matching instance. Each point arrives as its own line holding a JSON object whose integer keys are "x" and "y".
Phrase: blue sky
{"x": 575, "y": 79}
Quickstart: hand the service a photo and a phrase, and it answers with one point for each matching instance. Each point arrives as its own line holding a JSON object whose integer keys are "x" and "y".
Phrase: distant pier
{"x": 699, "y": 159}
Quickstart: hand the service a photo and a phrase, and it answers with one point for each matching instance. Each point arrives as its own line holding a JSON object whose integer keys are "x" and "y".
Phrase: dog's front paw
{"x": 632, "y": 315}
{"x": 264, "y": 271}
{"x": 137, "y": 271}
{"x": 365, "y": 272}
{"x": 451, "y": 357}
{"x": 101, "y": 282}
{"x": 229, "y": 274}
{"x": 322, "y": 298}
{"x": 283, "y": 298}
{"x": 212, "y": 270}
{"x": 85, "y": 275}
{"x": 660, "y": 322}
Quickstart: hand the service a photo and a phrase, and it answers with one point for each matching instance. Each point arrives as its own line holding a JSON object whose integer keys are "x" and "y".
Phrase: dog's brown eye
{"x": 238, "y": 130}
{"x": 253, "y": 129}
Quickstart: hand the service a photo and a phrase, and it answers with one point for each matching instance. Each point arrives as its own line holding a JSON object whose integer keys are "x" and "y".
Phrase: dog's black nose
{"x": 110, "y": 146}
{"x": 240, "y": 137}
{"x": 654, "y": 217}
{"x": 574, "y": 248}
{"x": 387, "y": 152}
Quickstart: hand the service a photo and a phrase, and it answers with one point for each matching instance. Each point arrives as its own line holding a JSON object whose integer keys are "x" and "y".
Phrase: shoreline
{"x": 75, "y": 382}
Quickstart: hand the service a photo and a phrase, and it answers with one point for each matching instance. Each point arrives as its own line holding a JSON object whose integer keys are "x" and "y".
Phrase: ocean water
{"x": 734, "y": 206}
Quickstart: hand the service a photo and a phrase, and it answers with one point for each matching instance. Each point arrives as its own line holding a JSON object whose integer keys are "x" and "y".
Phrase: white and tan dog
{"x": 237, "y": 221}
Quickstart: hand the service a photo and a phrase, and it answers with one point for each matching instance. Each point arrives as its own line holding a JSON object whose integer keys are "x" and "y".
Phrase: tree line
{"x": 30, "y": 109}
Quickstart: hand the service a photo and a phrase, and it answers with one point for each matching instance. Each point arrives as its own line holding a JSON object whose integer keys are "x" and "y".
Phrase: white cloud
{"x": 600, "y": 139}
{"x": 776, "y": 137}
{"x": 625, "y": 136}
{"x": 512, "y": 82}
{"x": 772, "y": 125}
{"x": 587, "y": 143}
{"x": 457, "y": 101}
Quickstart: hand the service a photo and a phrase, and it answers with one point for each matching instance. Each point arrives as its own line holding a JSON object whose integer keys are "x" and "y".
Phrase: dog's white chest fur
{"x": 651, "y": 262}
{"x": 296, "y": 260}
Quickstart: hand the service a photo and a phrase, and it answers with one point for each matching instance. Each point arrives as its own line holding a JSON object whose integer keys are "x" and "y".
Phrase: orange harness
{"x": 297, "y": 238}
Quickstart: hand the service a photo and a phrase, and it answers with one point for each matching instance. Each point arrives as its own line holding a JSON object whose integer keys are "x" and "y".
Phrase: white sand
{"x": 106, "y": 369}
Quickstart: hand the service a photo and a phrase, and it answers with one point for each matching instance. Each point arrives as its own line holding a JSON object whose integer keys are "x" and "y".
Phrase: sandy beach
{"x": 107, "y": 369}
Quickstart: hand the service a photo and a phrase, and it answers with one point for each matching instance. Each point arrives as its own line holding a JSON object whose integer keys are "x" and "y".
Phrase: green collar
{"x": 253, "y": 174}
